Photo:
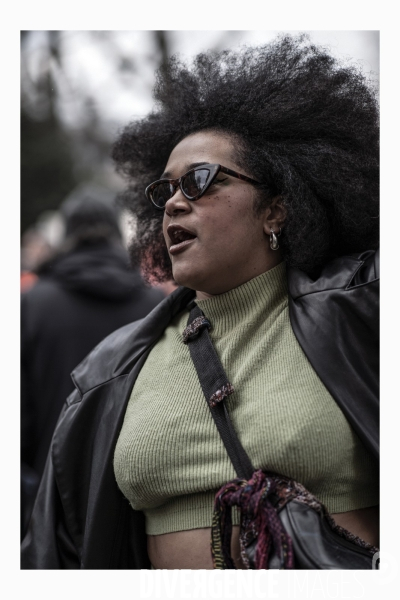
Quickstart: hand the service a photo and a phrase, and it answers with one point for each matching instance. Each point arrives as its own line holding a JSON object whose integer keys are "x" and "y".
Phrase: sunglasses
{"x": 192, "y": 184}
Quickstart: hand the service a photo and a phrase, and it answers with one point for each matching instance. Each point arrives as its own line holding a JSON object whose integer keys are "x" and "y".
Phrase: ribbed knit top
{"x": 170, "y": 460}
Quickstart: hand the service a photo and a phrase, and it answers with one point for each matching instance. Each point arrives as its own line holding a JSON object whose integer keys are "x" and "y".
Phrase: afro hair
{"x": 308, "y": 129}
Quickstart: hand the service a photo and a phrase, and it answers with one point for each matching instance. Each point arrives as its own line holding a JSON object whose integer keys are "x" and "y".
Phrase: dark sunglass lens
{"x": 161, "y": 194}
{"x": 194, "y": 183}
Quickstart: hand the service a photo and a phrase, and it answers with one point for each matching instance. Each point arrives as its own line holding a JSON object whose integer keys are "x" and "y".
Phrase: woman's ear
{"x": 275, "y": 215}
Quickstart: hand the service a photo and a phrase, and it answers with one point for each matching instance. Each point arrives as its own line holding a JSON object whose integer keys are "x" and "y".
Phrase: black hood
{"x": 99, "y": 270}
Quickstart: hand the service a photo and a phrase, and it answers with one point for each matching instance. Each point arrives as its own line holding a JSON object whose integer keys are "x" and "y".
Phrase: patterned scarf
{"x": 260, "y": 499}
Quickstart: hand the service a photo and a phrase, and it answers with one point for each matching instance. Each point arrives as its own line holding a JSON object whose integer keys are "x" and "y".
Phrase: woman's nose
{"x": 177, "y": 203}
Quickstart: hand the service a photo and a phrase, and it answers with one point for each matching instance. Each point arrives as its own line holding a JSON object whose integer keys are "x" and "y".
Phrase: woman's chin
{"x": 184, "y": 281}
{"x": 186, "y": 277}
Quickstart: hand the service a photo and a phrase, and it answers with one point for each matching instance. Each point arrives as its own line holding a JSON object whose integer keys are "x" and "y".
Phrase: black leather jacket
{"x": 81, "y": 520}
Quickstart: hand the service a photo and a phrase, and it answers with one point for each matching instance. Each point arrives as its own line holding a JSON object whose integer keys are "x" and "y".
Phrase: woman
{"x": 264, "y": 200}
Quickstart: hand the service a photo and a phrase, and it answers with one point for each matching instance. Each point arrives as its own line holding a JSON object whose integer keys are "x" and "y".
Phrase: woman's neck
{"x": 203, "y": 295}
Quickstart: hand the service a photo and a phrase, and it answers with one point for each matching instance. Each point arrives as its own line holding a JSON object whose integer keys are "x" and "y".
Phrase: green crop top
{"x": 169, "y": 460}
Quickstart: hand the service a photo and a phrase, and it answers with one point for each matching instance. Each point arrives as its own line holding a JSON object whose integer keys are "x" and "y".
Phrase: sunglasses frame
{"x": 175, "y": 183}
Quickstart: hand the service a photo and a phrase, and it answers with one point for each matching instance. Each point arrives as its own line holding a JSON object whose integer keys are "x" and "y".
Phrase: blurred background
{"x": 79, "y": 88}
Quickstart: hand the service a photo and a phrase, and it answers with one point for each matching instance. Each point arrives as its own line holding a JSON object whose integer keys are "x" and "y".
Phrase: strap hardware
{"x": 193, "y": 329}
{"x": 226, "y": 390}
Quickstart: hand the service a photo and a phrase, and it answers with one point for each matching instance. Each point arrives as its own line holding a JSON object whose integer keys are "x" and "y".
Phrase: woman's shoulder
{"x": 102, "y": 363}
{"x": 342, "y": 273}
{"x": 117, "y": 353}
{"x": 335, "y": 319}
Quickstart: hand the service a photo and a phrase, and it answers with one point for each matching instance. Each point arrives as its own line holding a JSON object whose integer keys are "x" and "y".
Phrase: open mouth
{"x": 180, "y": 238}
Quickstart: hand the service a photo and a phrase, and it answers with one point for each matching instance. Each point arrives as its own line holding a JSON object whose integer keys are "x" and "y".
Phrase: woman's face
{"x": 230, "y": 244}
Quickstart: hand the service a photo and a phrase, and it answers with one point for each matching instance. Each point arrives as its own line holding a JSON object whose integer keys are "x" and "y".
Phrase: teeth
{"x": 181, "y": 236}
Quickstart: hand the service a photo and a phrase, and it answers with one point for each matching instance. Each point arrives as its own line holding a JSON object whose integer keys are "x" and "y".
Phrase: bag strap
{"x": 215, "y": 386}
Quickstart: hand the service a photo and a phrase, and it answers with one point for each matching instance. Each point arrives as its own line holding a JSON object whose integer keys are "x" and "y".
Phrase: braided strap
{"x": 256, "y": 499}
{"x": 194, "y": 328}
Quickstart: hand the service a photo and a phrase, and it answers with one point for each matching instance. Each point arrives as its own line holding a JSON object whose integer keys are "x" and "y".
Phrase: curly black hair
{"x": 308, "y": 129}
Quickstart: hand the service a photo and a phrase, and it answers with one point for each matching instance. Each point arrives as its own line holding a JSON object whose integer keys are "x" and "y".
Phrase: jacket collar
{"x": 337, "y": 274}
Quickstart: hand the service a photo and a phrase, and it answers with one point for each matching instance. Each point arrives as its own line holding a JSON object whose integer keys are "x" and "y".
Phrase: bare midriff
{"x": 192, "y": 550}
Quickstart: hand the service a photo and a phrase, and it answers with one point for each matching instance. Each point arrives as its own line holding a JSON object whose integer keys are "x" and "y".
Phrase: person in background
{"x": 85, "y": 292}
{"x": 34, "y": 250}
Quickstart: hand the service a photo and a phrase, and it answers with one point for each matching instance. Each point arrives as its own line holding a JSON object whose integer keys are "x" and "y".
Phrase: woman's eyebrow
{"x": 167, "y": 174}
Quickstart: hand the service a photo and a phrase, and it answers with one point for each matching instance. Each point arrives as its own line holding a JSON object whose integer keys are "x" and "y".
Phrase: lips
{"x": 181, "y": 238}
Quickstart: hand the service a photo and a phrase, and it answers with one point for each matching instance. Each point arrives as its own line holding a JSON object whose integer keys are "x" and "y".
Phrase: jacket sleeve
{"x": 48, "y": 543}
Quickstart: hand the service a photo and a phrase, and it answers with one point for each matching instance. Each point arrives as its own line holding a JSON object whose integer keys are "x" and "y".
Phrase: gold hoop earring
{"x": 273, "y": 239}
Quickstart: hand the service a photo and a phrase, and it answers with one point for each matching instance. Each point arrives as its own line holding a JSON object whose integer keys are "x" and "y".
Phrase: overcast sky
{"x": 89, "y": 62}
